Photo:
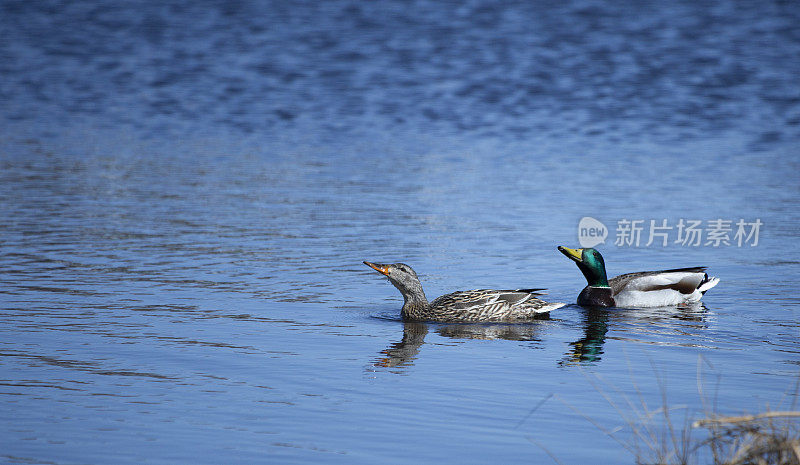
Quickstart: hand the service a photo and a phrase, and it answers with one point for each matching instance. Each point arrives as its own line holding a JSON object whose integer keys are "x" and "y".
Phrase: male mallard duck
{"x": 479, "y": 305}
{"x": 644, "y": 289}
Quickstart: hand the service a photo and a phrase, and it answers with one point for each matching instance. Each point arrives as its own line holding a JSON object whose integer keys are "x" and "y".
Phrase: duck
{"x": 474, "y": 306}
{"x": 665, "y": 288}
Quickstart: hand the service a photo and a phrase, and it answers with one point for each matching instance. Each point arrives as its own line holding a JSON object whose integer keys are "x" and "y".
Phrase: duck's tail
{"x": 707, "y": 283}
{"x": 548, "y": 307}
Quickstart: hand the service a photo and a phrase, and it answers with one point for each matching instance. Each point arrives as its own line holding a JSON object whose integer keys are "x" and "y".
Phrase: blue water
{"x": 187, "y": 191}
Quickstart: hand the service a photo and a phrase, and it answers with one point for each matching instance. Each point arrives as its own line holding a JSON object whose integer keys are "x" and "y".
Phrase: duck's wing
{"x": 666, "y": 287}
{"x": 486, "y": 304}
{"x": 537, "y": 291}
{"x": 683, "y": 280}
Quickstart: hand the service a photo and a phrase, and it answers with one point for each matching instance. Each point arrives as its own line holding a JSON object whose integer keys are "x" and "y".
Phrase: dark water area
{"x": 188, "y": 190}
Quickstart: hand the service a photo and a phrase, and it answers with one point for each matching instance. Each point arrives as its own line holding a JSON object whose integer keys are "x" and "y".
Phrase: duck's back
{"x": 682, "y": 279}
{"x": 485, "y": 305}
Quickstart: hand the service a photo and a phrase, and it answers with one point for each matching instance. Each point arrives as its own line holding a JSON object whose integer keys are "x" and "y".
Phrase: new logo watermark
{"x": 591, "y": 232}
{"x": 686, "y": 232}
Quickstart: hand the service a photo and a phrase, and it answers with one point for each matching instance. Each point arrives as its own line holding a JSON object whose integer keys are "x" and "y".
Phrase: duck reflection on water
{"x": 596, "y": 321}
{"x": 403, "y": 353}
{"x": 597, "y": 325}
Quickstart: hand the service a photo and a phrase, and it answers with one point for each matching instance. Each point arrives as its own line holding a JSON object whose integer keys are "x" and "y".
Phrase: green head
{"x": 590, "y": 263}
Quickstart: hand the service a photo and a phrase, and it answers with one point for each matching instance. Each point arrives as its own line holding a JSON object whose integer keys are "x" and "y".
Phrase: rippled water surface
{"x": 187, "y": 191}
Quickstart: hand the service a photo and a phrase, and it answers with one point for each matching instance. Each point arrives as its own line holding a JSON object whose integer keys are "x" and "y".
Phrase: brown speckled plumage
{"x": 474, "y": 306}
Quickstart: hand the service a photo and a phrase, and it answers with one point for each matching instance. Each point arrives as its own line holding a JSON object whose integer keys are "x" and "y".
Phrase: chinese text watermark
{"x": 660, "y": 233}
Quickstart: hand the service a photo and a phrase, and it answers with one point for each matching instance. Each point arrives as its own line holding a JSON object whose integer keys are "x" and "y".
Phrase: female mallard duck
{"x": 479, "y": 305}
{"x": 644, "y": 289}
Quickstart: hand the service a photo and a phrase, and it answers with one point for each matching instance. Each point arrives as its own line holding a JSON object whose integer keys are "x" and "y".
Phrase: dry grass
{"x": 673, "y": 435}
{"x": 769, "y": 438}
